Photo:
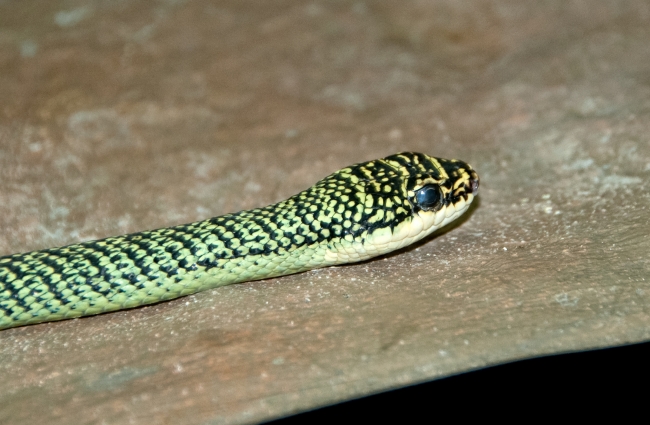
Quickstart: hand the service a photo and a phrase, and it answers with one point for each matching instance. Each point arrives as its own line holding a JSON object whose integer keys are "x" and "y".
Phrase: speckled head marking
{"x": 356, "y": 213}
{"x": 399, "y": 199}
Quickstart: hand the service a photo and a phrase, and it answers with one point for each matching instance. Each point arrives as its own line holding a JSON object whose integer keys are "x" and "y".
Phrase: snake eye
{"x": 429, "y": 197}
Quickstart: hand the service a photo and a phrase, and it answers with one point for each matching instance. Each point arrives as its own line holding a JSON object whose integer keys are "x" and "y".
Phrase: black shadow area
{"x": 585, "y": 384}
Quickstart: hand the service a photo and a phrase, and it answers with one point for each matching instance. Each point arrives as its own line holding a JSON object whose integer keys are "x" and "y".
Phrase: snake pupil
{"x": 429, "y": 197}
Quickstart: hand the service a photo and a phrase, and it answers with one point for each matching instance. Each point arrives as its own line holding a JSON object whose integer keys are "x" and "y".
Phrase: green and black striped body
{"x": 357, "y": 213}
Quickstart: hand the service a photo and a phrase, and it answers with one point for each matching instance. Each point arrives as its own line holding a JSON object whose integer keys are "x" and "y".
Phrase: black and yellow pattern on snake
{"x": 356, "y": 213}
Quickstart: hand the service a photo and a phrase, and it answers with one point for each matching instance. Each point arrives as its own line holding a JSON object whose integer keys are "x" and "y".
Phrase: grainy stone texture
{"x": 120, "y": 116}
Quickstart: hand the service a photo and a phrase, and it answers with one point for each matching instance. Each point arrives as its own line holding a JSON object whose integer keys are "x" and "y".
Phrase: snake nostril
{"x": 473, "y": 185}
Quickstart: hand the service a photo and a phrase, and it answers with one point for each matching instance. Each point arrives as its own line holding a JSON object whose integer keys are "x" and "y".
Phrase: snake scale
{"x": 359, "y": 212}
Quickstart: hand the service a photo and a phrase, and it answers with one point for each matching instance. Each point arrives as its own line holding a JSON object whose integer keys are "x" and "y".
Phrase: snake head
{"x": 414, "y": 194}
{"x": 378, "y": 206}
{"x": 432, "y": 184}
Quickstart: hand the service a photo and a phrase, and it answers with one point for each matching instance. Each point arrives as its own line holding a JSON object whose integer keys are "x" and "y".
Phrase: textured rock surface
{"x": 123, "y": 116}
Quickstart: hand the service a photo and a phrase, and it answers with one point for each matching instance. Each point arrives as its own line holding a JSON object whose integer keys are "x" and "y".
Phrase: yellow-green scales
{"x": 357, "y": 213}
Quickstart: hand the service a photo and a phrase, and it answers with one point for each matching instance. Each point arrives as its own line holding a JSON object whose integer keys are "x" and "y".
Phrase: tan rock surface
{"x": 123, "y": 116}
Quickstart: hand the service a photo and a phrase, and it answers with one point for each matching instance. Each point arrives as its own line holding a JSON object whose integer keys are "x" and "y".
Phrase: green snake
{"x": 357, "y": 213}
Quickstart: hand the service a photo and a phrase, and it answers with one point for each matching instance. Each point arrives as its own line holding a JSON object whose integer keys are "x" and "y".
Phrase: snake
{"x": 356, "y": 213}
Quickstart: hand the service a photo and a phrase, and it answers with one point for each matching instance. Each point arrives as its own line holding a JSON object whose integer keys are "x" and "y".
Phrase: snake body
{"x": 359, "y": 212}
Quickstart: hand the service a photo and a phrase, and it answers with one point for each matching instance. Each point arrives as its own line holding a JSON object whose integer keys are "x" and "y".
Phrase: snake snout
{"x": 473, "y": 183}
